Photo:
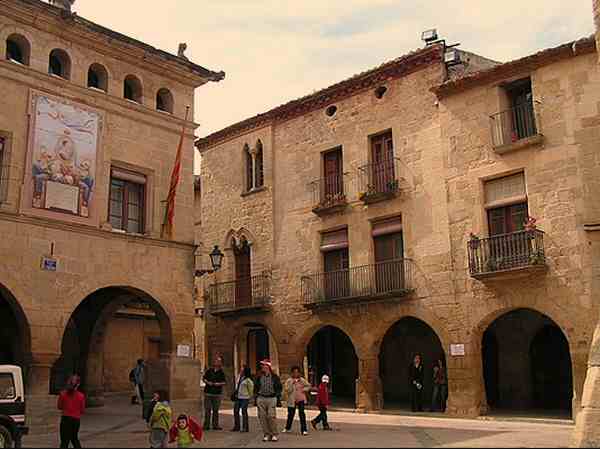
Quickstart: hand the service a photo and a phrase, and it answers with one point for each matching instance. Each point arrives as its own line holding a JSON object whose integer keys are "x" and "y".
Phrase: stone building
{"x": 90, "y": 121}
{"x": 420, "y": 207}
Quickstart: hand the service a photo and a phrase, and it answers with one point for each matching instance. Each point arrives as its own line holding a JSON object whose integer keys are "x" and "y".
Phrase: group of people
{"x": 439, "y": 382}
{"x": 266, "y": 391}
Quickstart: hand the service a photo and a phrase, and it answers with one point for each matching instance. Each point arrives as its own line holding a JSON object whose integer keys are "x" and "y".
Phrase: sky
{"x": 276, "y": 50}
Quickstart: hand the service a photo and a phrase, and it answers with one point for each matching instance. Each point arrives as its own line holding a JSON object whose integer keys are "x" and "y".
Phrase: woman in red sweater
{"x": 72, "y": 404}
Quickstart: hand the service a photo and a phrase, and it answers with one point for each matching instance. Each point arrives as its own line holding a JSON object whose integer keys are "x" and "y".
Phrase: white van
{"x": 12, "y": 406}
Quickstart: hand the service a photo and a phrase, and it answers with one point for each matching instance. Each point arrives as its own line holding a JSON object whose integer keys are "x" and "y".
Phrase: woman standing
{"x": 244, "y": 391}
{"x": 296, "y": 388}
{"x": 71, "y": 402}
{"x": 416, "y": 384}
{"x": 440, "y": 387}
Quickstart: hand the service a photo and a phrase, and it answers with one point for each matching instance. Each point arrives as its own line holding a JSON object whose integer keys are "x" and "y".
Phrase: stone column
{"x": 184, "y": 384}
{"x": 42, "y": 413}
{"x": 369, "y": 391}
{"x": 466, "y": 389}
{"x": 587, "y": 428}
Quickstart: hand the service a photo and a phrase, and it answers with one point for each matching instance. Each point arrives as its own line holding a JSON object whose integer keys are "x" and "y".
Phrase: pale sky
{"x": 275, "y": 50}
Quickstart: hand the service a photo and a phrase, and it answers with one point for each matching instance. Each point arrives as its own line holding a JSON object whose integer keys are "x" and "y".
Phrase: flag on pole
{"x": 167, "y": 227}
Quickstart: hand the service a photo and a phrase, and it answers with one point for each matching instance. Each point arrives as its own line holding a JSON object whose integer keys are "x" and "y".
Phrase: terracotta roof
{"x": 399, "y": 67}
{"x": 94, "y": 27}
{"x": 516, "y": 67}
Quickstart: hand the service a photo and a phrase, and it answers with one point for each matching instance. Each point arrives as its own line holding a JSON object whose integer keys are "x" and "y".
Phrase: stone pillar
{"x": 587, "y": 427}
{"x": 42, "y": 413}
{"x": 369, "y": 391}
{"x": 466, "y": 388}
{"x": 184, "y": 384}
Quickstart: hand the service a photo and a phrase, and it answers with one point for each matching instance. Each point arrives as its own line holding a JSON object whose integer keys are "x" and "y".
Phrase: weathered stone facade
{"x": 441, "y": 137}
{"x": 62, "y": 316}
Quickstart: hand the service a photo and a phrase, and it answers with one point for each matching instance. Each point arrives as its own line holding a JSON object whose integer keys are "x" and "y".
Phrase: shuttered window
{"x": 505, "y": 190}
{"x": 388, "y": 226}
{"x": 331, "y": 241}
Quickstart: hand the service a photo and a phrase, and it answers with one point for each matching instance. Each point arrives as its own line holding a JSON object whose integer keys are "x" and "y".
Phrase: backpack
{"x": 132, "y": 376}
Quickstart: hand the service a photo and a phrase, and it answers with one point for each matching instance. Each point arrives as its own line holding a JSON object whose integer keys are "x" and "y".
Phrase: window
{"x": 333, "y": 171}
{"x": 331, "y": 110}
{"x": 243, "y": 272}
{"x": 506, "y": 204}
{"x": 255, "y": 178}
{"x": 380, "y": 92}
{"x": 127, "y": 201}
{"x": 382, "y": 159}
{"x": 132, "y": 89}
{"x": 18, "y": 49}
{"x": 98, "y": 77}
{"x": 389, "y": 254}
{"x": 164, "y": 101}
{"x": 336, "y": 264}
{"x": 7, "y": 387}
{"x": 59, "y": 64}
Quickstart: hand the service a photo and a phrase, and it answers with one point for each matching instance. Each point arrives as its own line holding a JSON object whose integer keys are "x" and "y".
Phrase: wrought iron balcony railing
{"x": 506, "y": 252}
{"x": 253, "y": 293}
{"x": 513, "y": 125}
{"x": 379, "y": 181}
{"x": 329, "y": 194}
{"x": 364, "y": 283}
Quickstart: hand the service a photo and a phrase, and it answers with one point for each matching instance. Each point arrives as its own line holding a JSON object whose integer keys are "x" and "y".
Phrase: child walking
{"x": 323, "y": 403}
{"x": 185, "y": 431}
{"x": 160, "y": 421}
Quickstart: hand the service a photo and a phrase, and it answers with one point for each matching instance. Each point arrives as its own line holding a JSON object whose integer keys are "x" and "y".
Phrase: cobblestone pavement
{"x": 119, "y": 426}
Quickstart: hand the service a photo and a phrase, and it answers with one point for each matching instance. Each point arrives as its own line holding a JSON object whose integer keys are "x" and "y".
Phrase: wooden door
{"x": 506, "y": 251}
{"x": 389, "y": 263}
{"x": 243, "y": 273}
{"x": 332, "y": 183}
{"x": 382, "y": 159}
{"x": 337, "y": 276}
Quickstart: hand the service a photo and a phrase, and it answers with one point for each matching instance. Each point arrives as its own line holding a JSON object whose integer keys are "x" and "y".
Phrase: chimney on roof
{"x": 63, "y": 4}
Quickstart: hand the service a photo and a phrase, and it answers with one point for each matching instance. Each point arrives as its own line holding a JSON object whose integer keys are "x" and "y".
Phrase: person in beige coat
{"x": 296, "y": 389}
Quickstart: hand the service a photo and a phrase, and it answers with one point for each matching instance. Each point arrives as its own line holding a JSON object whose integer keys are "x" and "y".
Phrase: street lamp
{"x": 216, "y": 259}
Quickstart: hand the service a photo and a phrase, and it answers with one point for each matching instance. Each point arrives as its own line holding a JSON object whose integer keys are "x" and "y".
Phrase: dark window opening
{"x": 164, "y": 101}
{"x": 17, "y": 49}
{"x": 132, "y": 89}
{"x": 98, "y": 77}
{"x": 260, "y": 176}
{"x": 380, "y": 92}
{"x": 331, "y": 110}
{"x": 59, "y": 64}
{"x": 507, "y": 219}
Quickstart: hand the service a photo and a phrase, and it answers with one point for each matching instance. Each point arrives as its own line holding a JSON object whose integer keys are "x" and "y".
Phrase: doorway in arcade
{"x": 331, "y": 352}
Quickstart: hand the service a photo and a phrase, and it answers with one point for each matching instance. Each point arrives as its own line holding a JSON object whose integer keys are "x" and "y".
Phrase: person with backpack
{"x": 71, "y": 402}
{"x": 137, "y": 376}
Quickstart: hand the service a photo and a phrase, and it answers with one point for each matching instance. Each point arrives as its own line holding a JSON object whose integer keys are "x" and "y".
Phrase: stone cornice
{"x": 73, "y": 28}
{"x": 75, "y": 92}
{"x": 397, "y": 68}
{"x": 517, "y": 67}
{"x": 94, "y": 232}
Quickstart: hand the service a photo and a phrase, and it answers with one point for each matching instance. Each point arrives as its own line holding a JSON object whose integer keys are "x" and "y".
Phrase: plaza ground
{"x": 119, "y": 425}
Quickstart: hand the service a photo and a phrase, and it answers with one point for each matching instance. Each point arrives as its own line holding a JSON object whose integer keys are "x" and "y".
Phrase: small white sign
{"x": 184, "y": 351}
{"x": 457, "y": 350}
{"x": 49, "y": 264}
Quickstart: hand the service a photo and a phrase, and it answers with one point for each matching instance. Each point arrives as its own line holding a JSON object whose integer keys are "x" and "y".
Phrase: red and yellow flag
{"x": 167, "y": 227}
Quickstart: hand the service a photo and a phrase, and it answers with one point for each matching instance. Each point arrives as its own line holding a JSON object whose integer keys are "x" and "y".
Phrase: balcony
{"x": 240, "y": 297}
{"x": 376, "y": 282}
{"x": 329, "y": 195}
{"x": 379, "y": 181}
{"x": 514, "y": 128}
{"x": 509, "y": 255}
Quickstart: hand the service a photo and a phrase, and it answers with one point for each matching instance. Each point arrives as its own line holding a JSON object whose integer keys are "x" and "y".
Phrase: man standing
{"x": 268, "y": 389}
{"x": 139, "y": 377}
{"x": 214, "y": 378}
{"x": 416, "y": 384}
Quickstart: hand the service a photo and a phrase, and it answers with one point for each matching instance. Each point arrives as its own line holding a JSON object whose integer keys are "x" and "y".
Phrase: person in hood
{"x": 185, "y": 431}
{"x": 160, "y": 421}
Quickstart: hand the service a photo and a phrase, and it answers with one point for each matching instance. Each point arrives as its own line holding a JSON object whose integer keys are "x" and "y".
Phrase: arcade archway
{"x": 405, "y": 339}
{"x": 254, "y": 343}
{"x": 15, "y": 337}
{"x": 331, "y": 352}
{"x": 106, "y": 334}
{"x": 527, "y": 364}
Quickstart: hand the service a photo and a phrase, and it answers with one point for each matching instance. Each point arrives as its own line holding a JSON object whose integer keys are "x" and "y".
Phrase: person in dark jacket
{"x": 215, "y": 380}
{"x": 416, "y": 383}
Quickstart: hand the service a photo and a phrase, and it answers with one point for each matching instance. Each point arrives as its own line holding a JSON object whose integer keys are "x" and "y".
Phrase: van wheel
{"x": 5, "y": 438}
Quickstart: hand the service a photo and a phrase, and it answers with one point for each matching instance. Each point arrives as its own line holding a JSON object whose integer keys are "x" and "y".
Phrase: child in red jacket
{"x": 185, "y": 431}
{"x": 322, "y": 402}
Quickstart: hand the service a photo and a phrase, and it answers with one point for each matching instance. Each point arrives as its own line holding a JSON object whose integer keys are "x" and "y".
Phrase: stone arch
{"x": 404, "y": 339}
{"x": 15, "y": 331}
{"x": 18, "y": 49}
{"x": 60, "y": 63}
{"x": 133, "y": 89}
{"x": 98, "y": 76}
{"x": 165, "y": 101}
{"x": 84, "y": 343}
{"x": 518, "y": 385}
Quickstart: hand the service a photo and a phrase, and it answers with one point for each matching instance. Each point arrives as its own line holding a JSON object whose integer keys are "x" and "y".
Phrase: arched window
{"x": 18, "y": 49}
{"x": 98, "y": 77}
{"x": 132, "y": 89}
{"x": 164, "y": 101}
{"x": 59, "y": 64}
{"x": 249, "y": 168}
{"x": 259, "y": 177}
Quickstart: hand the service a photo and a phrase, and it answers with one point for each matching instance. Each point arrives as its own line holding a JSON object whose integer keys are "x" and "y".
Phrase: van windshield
{"x": 7, "y": 387}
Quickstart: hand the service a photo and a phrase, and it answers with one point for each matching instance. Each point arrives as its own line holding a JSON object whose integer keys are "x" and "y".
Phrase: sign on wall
{"x": 184, "y": 351}
{"x": 64, "y": 146}
{"x": 457, "y": 350}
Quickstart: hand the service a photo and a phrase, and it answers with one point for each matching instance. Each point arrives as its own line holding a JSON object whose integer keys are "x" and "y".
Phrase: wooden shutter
{"x": 336, "y": 240}
{"x": 505, "y": 190}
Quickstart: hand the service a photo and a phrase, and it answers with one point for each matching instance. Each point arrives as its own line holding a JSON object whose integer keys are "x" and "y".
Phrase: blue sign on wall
{"x": 49, "y": 264}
